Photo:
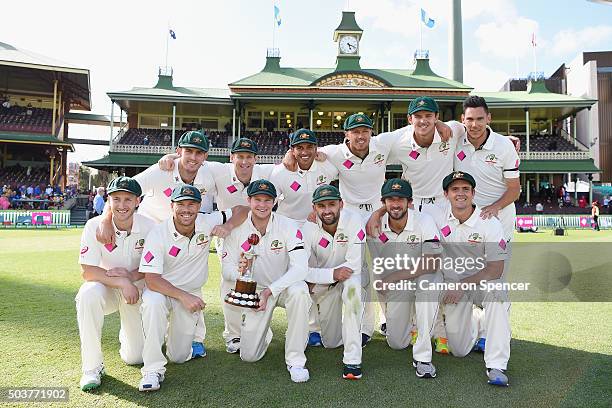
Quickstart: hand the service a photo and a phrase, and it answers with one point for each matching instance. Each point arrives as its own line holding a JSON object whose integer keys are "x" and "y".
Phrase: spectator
{"x": 595, "y": 215}
{"x": 6, "y": 104}
{"x": 29, "y": 110}
{"x": 539, "y": 208}
{"x": 98, "y": 202}
{"x": 37, "y": 191}
{"x": 4, "y": 203}
{"x": 606, "y": 201}
{"x": 145, "y": 141}
{"x": 29, "y": 191}
{"x": 49, "y": 191}
{"x": 166, "y": 138}
{"x": 582, "y": 202}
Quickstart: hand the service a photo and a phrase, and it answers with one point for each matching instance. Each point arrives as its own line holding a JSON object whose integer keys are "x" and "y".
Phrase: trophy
{"x": 245, "y": 293}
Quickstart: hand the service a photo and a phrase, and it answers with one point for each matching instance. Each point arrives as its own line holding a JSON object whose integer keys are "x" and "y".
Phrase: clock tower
{"x": 347, "y": 35}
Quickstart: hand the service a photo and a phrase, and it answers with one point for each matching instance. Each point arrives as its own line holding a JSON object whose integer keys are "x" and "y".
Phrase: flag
{"x": 429, "y": 22}
{"x": 277, "y": 16}
{"x": 172, "y": 34}
{"x": 533, "y": 40}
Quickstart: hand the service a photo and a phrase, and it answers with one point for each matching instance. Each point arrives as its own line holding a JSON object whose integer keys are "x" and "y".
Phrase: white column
{"x": 537, "y": 182}
{"x": 173, "y": 124}
{"x": 590, "y": 188}
{"x": 112, "y": 123}
{"x": 233, "y": 124}
{"x": 310, "y": 120}
{"x": 528, "y": 192}
{"x": 574, "y": 130}
{"x": 527, "y": 131}
{"x": 389, "y": 118}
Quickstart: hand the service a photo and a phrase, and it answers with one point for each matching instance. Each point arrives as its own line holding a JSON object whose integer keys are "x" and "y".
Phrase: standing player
{"x": 113, "y": 282}
{"x": 334, "y": 245}
{"x": 466, "y": 236}
{"x": 175, "y": 265}
{"x": 407, "y": 232}
{"x": 280, "y": 267}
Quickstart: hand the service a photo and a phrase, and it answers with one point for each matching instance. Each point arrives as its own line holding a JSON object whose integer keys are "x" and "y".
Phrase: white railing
{"x": 565, "y": 221}
{"x": 575, "y": 155}
{"x": 58, "y": 217}
{"x": 214, "y": 151}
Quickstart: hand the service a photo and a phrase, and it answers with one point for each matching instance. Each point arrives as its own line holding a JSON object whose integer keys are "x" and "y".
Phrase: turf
{"x": 561, "y": 352}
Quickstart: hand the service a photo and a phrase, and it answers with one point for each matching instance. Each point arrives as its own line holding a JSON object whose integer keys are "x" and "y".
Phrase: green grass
{"x": 561, "y": 352}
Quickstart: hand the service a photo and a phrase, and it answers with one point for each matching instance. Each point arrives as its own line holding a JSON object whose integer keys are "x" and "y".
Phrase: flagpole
{"x": 420, "y": 23}
{"x": 273, "y": 24}
{"x": 167, "y": 35}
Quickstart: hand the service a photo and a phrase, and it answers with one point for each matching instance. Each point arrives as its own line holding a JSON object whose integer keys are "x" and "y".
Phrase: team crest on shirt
{"x": 413, "y": 241}
{"x": 202, "y": 240}
{"x": 341, "y": 238}
{"x": 444, "y": 148}
{"x": 139, "y": 244}
{"x": 322, "y": 179}
{"x": 379, "y": 159}
{"x": 276, "y": 246}
{"x": 475, "y": 238}
{"x": 491, "y": 159}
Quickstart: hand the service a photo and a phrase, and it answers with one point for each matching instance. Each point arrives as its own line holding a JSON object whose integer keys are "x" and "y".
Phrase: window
{"x": 287, "y": 120}
{"x": 399, "y": 120}
{"x": 271, "y": 120}
{"x": 254, "y": 120}
{"x": 500, "y": 127}
{"x": 302, "y": 121}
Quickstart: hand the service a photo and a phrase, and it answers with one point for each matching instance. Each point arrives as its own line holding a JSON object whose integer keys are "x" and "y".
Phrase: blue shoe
{"x": 198, "y": 350}
{"x": 314, "y": 339}
{"x": 480, "y": 345}
{"x": 497, "y": 377}
{"x": 365, "y": 339}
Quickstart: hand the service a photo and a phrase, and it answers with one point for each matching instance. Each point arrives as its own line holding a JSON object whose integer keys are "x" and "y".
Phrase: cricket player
{"x": 175, "y": 265}
{"x": 466, "y": 235}
{"x": 408, "y": 233}
{"x": 334, "y": 246}
{"x": 280, "y": 267}
{"x": 113, "y": 282}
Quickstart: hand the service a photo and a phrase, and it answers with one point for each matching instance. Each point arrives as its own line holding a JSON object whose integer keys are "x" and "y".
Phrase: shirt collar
{"x": 346, "y": 152}
{"x": 135, "y": 227}
{"x": 470, "y": 222}
{"x": 176, "y": 176}
{"x": 268, "y": 227}
{"x": 172, "y": 229}
{"x": 341, "y": 222}
{"x": 489, "y": 141}
{"x": 415, "y": 145}
{"x": 236, "y": 180}
{"x": 409, "y": 224}
{"x": 314, "y": 167}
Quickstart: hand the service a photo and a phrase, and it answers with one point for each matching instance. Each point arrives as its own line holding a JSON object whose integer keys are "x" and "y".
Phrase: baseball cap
{"x": 195, "y": 139}
{"x": 126, "y": 184}
{"x": 324, "y": 193}
{"x": 303, "y": 136}
{"x": 185, "y": 192}
{"x": 396, "y": 187}
{"x": 356, "y": 120}
{"x": 244, "y": 145}
{"x": 423, "y": 103}
{"x": 261, "y": 187}
{"x": 458, "y": 175}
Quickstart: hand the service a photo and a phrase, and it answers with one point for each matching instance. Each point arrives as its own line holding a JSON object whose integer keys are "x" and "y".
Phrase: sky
{"x": 123, "y": 43}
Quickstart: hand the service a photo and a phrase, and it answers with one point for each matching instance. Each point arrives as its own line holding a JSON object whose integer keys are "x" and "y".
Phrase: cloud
{"x": 499, "y": 10}
{"x": 569, "y": 41}
{"x": 483, "y": 78}
{"x": 508, "y": 39}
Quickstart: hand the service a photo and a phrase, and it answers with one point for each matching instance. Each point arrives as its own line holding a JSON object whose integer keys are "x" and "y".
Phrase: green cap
{"x": 423, "y": 103}
{"x": 186, "y": 192}
{"x": 303, "y": 136}
{"x": 195, "y": 139}
{"x": 356, "y": 120}
{"x": 458, "y": 175}
{"x": 324, "y": 193}
{"x": 244, "y": 145}
{"x": 126, "y": 184}
{"x": 261, "y": 187}
{"x": 396, "y": 187}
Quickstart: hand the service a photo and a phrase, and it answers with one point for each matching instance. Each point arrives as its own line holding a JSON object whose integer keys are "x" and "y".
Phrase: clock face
{"x": 348, "y": 45}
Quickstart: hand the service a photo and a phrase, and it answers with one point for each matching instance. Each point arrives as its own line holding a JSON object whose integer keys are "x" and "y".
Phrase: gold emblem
{"x": 187, "y": 191}
{"x": 457, "y": 175}
{"x": 244, "y": 143}
{"x": 421, "y": 103}
{"x": 123, "y": 184}
{"x": 396, "y": 186}
{"x": 197, "y": 139}
{"x": 359, "y": 119}
{"x": 263, "y": 186}
{"x": 304, "y": 136}
{"x": 325, "y": 192}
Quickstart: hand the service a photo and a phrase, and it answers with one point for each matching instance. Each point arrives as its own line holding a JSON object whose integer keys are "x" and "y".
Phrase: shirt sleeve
{"x": 152, "y": 260}
{"x": 217, "y": 217}
{"x": 511, "y": 162}
{"x": 230, "y": 256}
{"x": 265, "y": 170}
{"x": 430, "y": 235}
{"x": 330, "y": 171}
{"x": 386, "y": 141}
{"x": 495, "y": 243}
{"x": 298, "y": 260}
{"x": 146, "y": 179}
{"x": 90, "y": 253}
{"x": 206, "y": 179}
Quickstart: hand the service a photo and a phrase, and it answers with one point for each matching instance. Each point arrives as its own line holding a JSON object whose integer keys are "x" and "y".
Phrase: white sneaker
{"x": 92, "y": 379}
{"x": 233, "y": 346}
{"x": 151, "y": 382}
{"x": 298, "y": 374}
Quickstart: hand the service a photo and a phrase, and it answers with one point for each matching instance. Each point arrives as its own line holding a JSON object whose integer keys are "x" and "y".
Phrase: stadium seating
{"x": 546, "y": 143}
{"x": 18, "y": 175}
{"x": 163, "y": 137}
{"x": 17, "y": 119}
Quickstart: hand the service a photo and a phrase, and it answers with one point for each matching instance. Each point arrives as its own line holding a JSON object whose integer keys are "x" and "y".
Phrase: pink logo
{"x": 232, "y": 189}
{"x": 84, "y": 249}
{"x": 361, "y": 235}
{"x": 502, "y": 244}
{"x": 414, "y": 154}
{"x": 298, "y": 235}
{"x": 110, "y": 247}
{"x": 168, "y": 192}
{"x": 174, "y": 251}
{"x": 446, "y": 231}
{"x": 348, "y": 164}
{"x": 148, "y": 257}
{"x": 383, "y": 238}
{"x": 295, "y": 186}
{"x": 323, "y": 243}
{"x": 245, "y": 246}
{"x": 461, "y": 155}
{"x": 517, "y": 163}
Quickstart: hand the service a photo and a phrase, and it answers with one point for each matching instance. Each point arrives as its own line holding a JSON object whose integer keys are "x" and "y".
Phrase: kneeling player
{"x": 113, "y": 281}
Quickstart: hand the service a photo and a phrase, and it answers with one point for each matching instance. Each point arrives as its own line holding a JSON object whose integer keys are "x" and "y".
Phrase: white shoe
{"x": 151, "y": 382}
{"x": 298, "y": 374}
{"x": 233, "y": 346}
{"x": 92, "y": 379}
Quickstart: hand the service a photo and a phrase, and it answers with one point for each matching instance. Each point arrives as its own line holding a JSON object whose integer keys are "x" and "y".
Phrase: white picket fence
{"x": 57, "y": 217}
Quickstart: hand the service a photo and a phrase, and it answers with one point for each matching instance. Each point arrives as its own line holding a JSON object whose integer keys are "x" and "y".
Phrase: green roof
{"x": 34, "y": 138}
{"x": 134, "y": 160}
{"x": 515, "y": 99}
{"x": 164, "y": 93}
{"x": 558, "y": 166}
{"x": 348, "y": 22}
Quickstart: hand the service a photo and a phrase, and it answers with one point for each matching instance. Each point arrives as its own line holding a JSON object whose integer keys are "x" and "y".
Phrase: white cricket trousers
{"x": 465, "y": 324}
{"x": 232, "y": 315}
{"x": 94, "y": 301}
{"x": 254, "y": 336}
{"x": 340, "y": 327}
{"x": 163, "y": 315}
{"x": 405, "y": 308}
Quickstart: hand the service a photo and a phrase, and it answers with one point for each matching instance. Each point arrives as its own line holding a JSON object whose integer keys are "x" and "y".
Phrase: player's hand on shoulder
{"x": 105, "y": 233}
{"x": 445, "y": 131}
{"x": 453, "y": 296}
{"x": 221, "y": 231}
{"x": 342, "y": 273}
{"x": 374, "y": 224}
{"x": 516, "y": 142}
{"x": 166, "y": 163}
{"x": 312, "y": 217}
{"x": 320, "y": 156}
{"x": 289, "y": 161}
{"x": 489, "y": 211}
{"x": 192, "y": 302}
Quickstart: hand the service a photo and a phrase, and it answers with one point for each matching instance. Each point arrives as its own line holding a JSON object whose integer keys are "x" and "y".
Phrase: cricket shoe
{"x": 383, "y": 329}
{"x": 151, "y": 382}
{"x": 480, "y": 345}
{"x": 497, "y": 377}
{"x": 424, "y": 370}
{"x": 365, "y": 339}
{"x": 91, "y": 379}
{"x": 298, "y": 374}
{"x": 314, "y": 339}
{"x": 233, "y": 346}
{"x": 352, "y": 372}
{"x": 198, "y": 350}
{"x": 441, "y": 344}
